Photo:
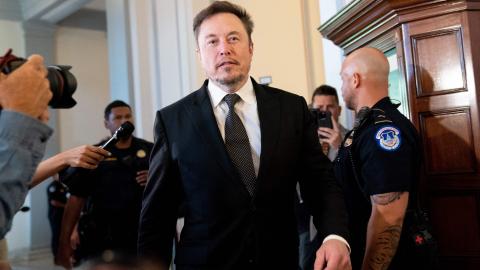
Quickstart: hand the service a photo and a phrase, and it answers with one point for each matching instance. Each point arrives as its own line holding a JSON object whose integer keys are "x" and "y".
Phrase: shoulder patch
{"x": 388, "y": 138}
{"x": 380, "y": 117}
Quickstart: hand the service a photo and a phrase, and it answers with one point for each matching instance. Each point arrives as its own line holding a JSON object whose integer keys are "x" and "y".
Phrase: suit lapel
{"x": 268, "y": 106}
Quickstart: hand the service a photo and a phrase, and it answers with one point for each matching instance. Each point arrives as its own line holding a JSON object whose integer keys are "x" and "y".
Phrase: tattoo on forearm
{"x": 385, "y": 247}
{"x": 386, "y": 198}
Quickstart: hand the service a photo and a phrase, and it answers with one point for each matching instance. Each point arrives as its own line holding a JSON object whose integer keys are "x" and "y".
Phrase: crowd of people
{"x": 260, "y": 183}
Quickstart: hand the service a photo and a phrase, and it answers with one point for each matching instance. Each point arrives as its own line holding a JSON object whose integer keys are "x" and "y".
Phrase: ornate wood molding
{"x": 365, "y": 19}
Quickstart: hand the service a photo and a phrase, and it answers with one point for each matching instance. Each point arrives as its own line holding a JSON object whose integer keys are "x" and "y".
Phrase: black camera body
{"x": 62, "y": 82}
{"x": 322, "y": 118}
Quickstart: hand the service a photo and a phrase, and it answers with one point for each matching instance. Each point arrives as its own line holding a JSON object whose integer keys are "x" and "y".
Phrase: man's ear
{"x": 250, "y": 47}
{"x": 356, "y": 80}
{"x": 105, "y": 123}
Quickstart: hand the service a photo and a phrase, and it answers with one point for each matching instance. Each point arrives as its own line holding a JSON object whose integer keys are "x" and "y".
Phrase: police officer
{"x": 377, "y": 164}
{"x": 111, "y": 194}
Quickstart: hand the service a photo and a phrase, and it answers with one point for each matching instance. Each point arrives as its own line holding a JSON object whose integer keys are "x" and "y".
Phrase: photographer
{"x": 325, "y": 99}
{"x": 24, "y": 96}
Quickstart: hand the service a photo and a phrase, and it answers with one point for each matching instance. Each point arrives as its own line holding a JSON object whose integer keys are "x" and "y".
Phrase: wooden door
{"x": 443, "y": 77}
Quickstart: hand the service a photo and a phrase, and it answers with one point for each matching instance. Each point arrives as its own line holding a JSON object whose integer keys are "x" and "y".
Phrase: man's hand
{"x": 331, "y": 136}
{"x": 142, "y": 177}
{"x": 45, "y": 116}
{"x": 85, "y": 156}
{"x": 332, "y": 255}
{"x": 75, "y": 238}
{"x": 26, "y": 90}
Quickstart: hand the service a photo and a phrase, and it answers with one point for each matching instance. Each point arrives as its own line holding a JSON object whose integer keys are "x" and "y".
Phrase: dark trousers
{"x": 55, "y": 215}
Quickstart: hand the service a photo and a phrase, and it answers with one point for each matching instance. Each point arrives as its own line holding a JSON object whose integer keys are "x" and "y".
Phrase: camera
{"x": 322, "y": 118}
{"x": 62, "y": 82}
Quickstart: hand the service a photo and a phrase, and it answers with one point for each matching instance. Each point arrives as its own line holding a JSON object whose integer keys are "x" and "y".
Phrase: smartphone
{"x": 322, "y": 118}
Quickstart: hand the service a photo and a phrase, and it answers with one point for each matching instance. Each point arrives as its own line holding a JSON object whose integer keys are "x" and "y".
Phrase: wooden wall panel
{"x": 455, "y": 236}
{"x": 439, "y": 62}
{"x": 447, "y": 139}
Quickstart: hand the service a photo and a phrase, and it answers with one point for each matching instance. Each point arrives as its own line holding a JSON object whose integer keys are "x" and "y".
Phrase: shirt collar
{"x": 246, "y": 93}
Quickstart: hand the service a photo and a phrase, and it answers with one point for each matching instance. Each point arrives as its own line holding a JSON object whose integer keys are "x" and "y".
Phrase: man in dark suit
{"x": 232, "y": 153}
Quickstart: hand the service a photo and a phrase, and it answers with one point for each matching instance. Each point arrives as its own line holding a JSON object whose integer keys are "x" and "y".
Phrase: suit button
{"x": 250, "y": 260}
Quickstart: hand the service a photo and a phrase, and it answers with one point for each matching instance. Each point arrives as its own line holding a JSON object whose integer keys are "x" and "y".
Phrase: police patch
{"x": 388, "y": 138}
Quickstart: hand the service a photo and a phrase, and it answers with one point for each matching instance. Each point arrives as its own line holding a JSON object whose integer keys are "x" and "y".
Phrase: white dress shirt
{"x": 246, "y": 109}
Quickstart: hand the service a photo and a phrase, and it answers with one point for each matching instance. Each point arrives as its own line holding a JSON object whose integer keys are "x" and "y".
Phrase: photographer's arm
{"x": 22, "y": 144}
{"x": 23, "y": 98}
{"x": 85, "y": 156}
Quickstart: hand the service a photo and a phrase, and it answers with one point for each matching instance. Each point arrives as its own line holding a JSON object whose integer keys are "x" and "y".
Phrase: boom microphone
{"x": 70, "y": 174}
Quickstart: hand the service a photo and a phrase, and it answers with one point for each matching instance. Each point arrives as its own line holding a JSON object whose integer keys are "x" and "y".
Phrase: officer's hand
{"x": 332, "y": 255}
{"x": 85, "y": 156}
{"x": 332, "y": 136}
{"x": 142, "y": 177}
{"x": 26, "y": 90}
{"x": 74, "y": 239}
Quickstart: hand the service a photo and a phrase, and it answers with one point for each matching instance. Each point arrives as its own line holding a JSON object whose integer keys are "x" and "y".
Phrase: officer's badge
{"x": 388, "y": 138}
{"x": 347, "y": 142}
{"x": 141, "y": 153}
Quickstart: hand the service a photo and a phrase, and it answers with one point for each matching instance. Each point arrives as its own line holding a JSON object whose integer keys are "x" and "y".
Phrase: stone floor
{"x": 40, "y": 259}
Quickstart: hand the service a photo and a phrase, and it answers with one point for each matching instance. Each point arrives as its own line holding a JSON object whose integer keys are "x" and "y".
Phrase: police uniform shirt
{"x": 384, "y": 152}
{"x": 56, "y": 191}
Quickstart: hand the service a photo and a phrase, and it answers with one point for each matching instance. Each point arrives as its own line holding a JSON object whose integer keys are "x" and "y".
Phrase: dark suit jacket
{"x": 225, "y": 228}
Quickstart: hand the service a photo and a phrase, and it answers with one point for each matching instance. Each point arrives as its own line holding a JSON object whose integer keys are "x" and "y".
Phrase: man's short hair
{"x": 325, "y": 90}
{"x": 223, "y": 7}
{"x": 114, "y": 104}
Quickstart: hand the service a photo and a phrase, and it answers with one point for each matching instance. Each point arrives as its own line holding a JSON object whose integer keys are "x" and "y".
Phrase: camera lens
{"x": 62, "y": 84}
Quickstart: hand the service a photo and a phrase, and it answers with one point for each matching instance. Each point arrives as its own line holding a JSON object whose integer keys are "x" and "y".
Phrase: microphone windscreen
{"x": 125, "y": 130}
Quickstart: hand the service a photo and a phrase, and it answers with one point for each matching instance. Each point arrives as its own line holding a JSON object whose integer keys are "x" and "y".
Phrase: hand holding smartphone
{"x": 322, "y": 119}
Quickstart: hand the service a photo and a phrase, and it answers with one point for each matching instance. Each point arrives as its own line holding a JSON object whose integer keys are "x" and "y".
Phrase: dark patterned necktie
{"x": 238, "y": 145}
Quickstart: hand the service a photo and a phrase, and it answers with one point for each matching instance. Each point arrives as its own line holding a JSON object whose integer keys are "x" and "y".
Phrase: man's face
{"x": 117, "y": 117}
{"x": 224, "y": 49}
{"x": 327, "y": 103}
